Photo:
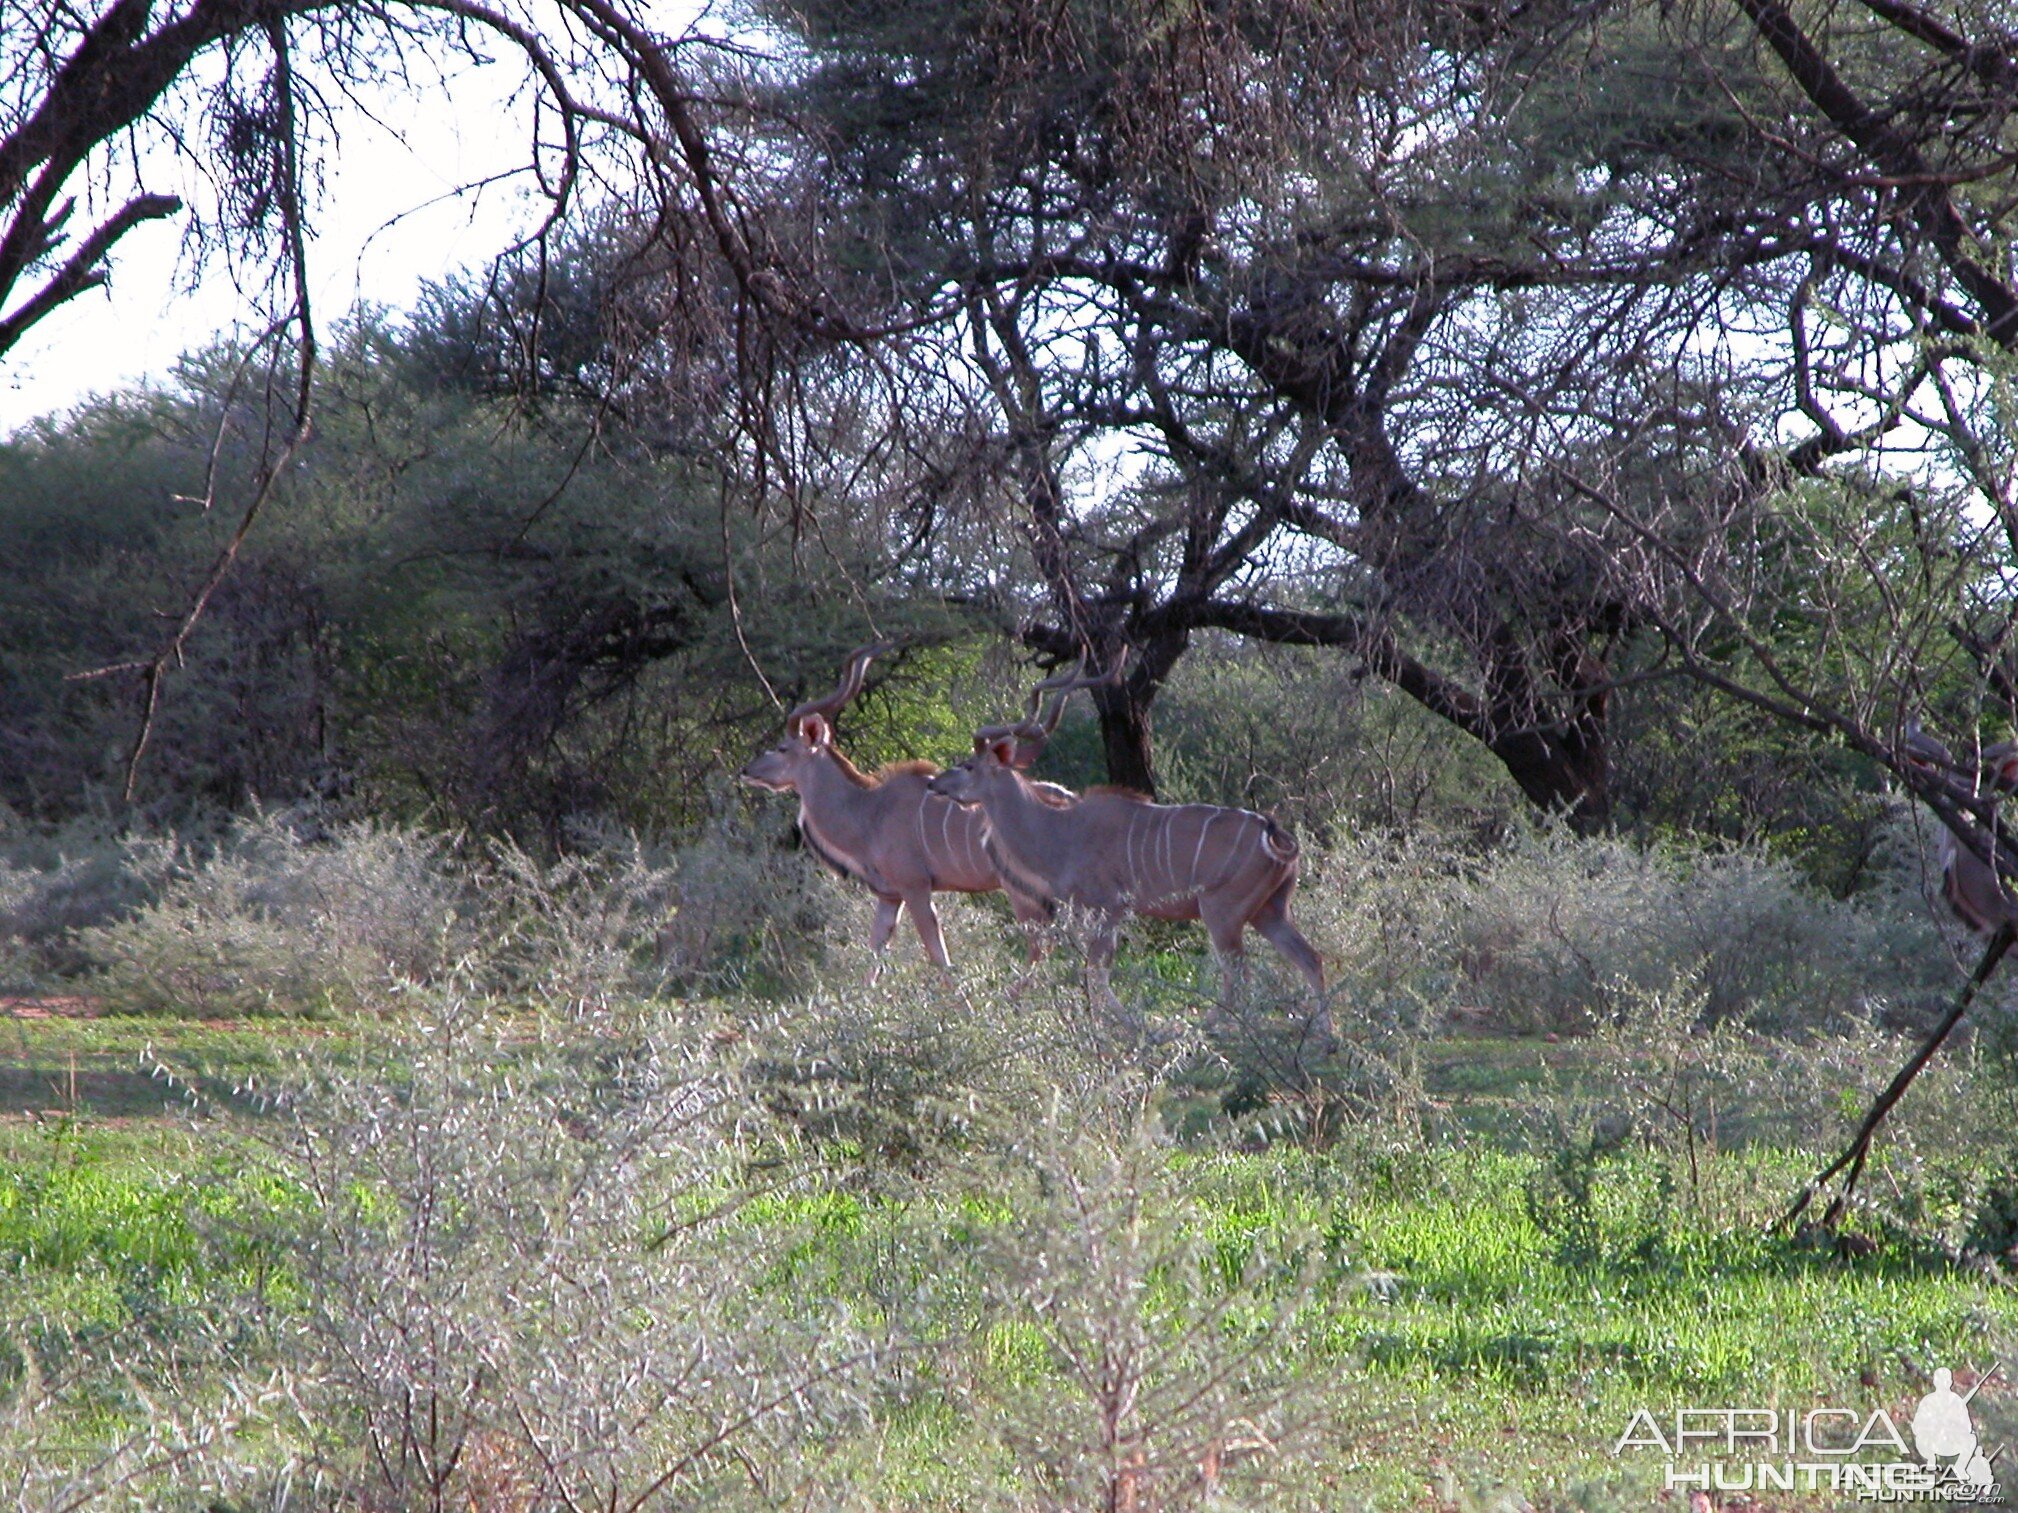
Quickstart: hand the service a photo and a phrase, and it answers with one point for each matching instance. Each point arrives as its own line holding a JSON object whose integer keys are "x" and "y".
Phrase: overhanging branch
{"x": 80, "y": 271}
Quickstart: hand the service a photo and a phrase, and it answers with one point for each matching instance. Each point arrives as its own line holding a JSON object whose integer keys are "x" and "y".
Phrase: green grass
{"x": 1477, "y": 1316}
{"x": 147, "y": 1066}
{"x": 1441, "y": 1289}
{"x": 102, "y": 1228}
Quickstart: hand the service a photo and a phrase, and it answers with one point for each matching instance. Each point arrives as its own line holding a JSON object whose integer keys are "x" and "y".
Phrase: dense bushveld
{"x": 398, "y": 1170}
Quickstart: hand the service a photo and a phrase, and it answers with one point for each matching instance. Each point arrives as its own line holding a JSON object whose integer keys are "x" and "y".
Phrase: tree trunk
{"x": 1124, "y": 738}
{"x": 1125, "y": 732}
{"x": 1562, "y": 772}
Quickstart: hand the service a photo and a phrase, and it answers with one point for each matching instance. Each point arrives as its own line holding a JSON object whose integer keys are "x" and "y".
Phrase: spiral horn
{"x": 849, "y": 686}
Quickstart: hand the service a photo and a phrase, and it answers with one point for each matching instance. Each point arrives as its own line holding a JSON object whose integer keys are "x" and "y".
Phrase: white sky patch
{"x": 395, "y": 212}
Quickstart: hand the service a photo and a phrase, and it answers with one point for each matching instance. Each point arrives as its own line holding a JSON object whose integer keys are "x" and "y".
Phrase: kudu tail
{"x": 1278, "y": 842}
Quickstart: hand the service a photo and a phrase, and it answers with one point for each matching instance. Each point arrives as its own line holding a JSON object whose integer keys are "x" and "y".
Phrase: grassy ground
{"x": 1472, "y": 1353}
{"x": 100, "y": 1068}
{"x": 1469, "y": 1323}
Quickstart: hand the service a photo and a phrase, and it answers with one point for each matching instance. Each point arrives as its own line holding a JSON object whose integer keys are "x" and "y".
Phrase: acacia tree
{"x": 1333, "y": 281}
{"x": 1856, "y": 574}
{"x": 1826, "y": 532}
{"x": 1881, "y": 504}
{"x": 1400, "y": 313}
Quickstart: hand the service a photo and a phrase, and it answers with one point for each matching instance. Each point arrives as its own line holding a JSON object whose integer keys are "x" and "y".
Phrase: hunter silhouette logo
{"x": 1862, "y": 1454}
{"x": 1942, "y": 1431}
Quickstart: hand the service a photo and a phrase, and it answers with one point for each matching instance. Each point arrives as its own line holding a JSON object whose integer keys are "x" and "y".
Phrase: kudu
{"x": 1968, "y": 882}
{"x": 1112, "y": 852}
{"x": 885, "y": 830}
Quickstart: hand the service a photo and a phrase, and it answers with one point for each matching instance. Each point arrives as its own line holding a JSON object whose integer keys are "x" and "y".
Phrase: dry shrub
{"x": 892, "y": 1082}
{"x": 286, "y": 915}
{"x": 1684, "y": 1095}
{"x": 616, "y": 919}
{"x": 522, "y": 1281}
{"x": 1279, "y": 1084}
{"x": 1556, "y": 932}
{"x": 749, "y": 912}
{"x": 1551, "y": 931}
{"x": 1136, "y": 1355}
{"x": 54, "y": 885}
{"x": 177, "y": 1419}
{"x": 578, "y": 935}
{"x": 505, "y": 1271}
{"x": 280, "y": 918}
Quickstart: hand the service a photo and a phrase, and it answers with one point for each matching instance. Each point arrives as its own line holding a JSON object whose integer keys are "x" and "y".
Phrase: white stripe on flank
{"x": 1133, "y": 868}
{"x": 1203, "y": 830}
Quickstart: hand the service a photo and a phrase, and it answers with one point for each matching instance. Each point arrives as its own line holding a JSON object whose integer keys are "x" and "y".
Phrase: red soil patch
{"x": 68, "y": 1007}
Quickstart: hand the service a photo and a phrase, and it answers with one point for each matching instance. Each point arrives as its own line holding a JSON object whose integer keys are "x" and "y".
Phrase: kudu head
{"x": 1004, "y": 749}
{"x": 809, "y": 729}
{"x": 1972, "y": 886}
{"x": 1998, "y": 773}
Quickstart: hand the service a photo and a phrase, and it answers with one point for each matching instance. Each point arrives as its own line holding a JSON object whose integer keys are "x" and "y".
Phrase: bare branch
{"x": 80, "y": 271}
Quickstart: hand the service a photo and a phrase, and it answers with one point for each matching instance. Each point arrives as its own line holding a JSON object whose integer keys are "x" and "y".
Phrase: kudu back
{"x": 1967, "y": 881}
{"x": 885, "y": 830}
{"x": 1112, "y": 852}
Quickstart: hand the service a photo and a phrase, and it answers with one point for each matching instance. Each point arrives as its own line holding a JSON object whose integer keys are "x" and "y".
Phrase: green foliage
{"x": 929, "y": 707}
{"x": 1294, "y": 731}
{"x": 507, "y": 618}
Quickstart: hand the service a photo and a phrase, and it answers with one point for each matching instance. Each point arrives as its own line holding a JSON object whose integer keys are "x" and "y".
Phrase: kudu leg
{"x": 1232, "y": 978}
{"x": 1274, "y": 923}
{"x": 926, "y": 918}
{"x": 1226, "y": 927}
{"x": 1033, "y": 916}
{"x": 879, "y": 934}
{"x": 1102, "y": 940}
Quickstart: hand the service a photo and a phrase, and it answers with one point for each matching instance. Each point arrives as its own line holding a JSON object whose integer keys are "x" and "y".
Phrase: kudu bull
{"x": 885, "y": 830}
{"x": 1113, "y": 851}
{"x": 1968, "y": 882}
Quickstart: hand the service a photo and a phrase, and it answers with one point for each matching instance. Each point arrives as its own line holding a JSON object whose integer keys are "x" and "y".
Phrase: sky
{"x": 383, "y": 229}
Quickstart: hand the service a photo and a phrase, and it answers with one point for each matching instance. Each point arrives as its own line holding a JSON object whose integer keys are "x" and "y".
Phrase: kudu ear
{"x": 815, "y": 731}
{"x": 1003, "y": 750}
{"x": 2003, "y": 767}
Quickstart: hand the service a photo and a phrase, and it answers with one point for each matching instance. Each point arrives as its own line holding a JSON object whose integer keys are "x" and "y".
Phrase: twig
{"x": 274, "y": 466}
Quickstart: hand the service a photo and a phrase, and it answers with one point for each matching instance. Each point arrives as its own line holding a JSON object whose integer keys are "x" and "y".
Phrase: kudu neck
{"x": 1016, "y": 813}
{"x": 828, "y": 778}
